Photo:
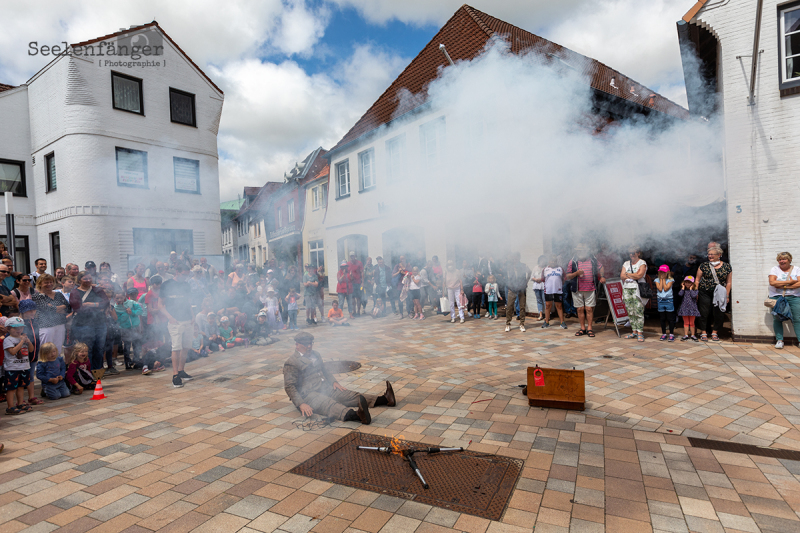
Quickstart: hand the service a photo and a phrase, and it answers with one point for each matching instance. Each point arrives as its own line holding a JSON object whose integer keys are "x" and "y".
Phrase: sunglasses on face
{"x": 25, "y": 281}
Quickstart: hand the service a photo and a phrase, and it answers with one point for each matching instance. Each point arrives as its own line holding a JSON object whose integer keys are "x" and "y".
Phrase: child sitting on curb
{"x": 79, "y": 372}
{"x": 262, "y": 331}
{"x": 52, "y": 370}
{"x": 336, "y": 315}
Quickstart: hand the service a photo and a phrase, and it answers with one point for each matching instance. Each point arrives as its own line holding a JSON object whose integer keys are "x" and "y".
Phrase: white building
{"x": 403, "y": 142}
{"x": 113, "y": 155}
{"x": 761, "y": 162}
{"x": 314, "y": 230}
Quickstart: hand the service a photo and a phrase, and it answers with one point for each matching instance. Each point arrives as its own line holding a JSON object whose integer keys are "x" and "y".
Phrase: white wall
{"x": 761, "y": 158}
{"x": 15, "y": 138}
{"x": 71, "y": 115}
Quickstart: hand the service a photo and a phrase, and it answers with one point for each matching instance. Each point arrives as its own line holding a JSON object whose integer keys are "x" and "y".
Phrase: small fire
{"x": 395, "y": 445}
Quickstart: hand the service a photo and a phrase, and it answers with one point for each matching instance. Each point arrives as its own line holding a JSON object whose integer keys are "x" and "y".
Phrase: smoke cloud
{"x": 523, "y": 162}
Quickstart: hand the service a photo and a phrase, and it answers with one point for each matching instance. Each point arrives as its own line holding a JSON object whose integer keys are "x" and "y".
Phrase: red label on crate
{"x": 538, "y": 378}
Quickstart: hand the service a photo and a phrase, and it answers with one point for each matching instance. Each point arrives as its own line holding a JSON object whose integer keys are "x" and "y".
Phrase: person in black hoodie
{"x": 261, "y": 332}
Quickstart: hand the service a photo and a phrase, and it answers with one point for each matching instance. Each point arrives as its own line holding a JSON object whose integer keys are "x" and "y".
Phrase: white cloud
{"x": 208, "y": 32}
{"x": 275, "y": 113}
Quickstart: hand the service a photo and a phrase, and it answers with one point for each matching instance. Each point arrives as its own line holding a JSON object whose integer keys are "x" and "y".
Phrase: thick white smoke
{"x": 520, "y": 142}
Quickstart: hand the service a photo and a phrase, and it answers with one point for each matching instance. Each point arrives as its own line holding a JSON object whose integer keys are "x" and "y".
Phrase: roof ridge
{"x": 148, "y": 25}
{"x": 481, "y": 24}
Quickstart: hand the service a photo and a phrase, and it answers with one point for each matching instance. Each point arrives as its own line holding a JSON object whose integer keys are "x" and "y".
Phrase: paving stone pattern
{"x": 215, "y": 455}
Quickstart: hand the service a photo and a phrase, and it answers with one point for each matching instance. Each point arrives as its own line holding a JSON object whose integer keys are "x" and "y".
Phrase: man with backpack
{"x": 585, "y": 275}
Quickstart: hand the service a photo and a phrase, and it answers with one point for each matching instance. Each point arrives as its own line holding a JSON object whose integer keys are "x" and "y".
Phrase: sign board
{"x": 616, "y": 305}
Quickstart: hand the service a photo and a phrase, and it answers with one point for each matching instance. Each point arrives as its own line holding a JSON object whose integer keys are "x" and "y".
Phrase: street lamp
{"x": 12, "y": 240}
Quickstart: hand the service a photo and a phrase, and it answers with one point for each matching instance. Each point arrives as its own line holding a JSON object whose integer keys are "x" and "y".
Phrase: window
{"x": 12, "y": 177}
{"x": 181, "y": 107}
{"x": 319, "y": 196}
{"x": 316, "y": 254}
{"x": 790, "y": 43}
{"x": 161, "y": 242}
{"x": 366, "y": 169}
{"x": 290, "y": 210}
{"x": 55, "y": 250}
{"x": 396, "y": 159}
{"x": 280, "y": 217}
{"x": 50, "y": 171}
{"x": 127, "y": 93}
{"x": 343, "y": 179}
{"x": 432, "y": 139}
{"x": 21, "y": 252}
{"x": 131, "y": 168}
{"x": 187, "y": 175}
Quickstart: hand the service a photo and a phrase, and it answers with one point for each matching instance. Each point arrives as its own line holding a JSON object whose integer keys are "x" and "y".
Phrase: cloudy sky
{"x": 297, "y": 74}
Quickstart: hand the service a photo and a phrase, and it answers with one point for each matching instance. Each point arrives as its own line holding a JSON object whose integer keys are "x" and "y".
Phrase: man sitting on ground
{"x": 312, "y": 388}
{"x": 336, "y": 315}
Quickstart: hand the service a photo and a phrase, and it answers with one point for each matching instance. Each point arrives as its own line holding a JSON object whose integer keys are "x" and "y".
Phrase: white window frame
{"x": 396, "y": 159}
{"x": 290, "y": 210}
{"x": 343, "y": 179}
{"x": 319, "y": 196}
{"x": 366, "y": 170}
{"x": 280, "y": 217}
{"x": 782, "y": 37}
{"x": 432, "y": 140}
{"x": 316, "y": 250}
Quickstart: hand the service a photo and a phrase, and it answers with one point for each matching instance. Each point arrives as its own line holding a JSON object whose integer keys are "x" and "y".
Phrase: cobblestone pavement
{"x": 215, "y": 455}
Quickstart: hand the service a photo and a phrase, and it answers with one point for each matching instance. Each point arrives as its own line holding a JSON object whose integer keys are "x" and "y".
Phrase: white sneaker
{"x": 487, "y": 314}
{"x": 508, "y": 328}
{"x": 145, "y": 370}
{"x": 462, "y": 320}
{"x": 452, "y": 320}
{"x": 522, "y": 328}
{"x": 779, "y": 345}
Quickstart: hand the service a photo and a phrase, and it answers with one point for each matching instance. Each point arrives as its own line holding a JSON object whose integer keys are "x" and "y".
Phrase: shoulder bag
{"x": 645, "y": 291}
{"x": 720, "y": 298}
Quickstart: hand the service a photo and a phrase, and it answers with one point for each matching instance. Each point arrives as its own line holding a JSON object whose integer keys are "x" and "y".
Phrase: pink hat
{"x": 663, "y": 268}
{"x": 689, "y": 279}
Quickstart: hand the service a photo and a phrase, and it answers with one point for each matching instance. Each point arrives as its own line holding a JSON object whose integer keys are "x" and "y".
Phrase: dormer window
{"x": 127, "y": 93}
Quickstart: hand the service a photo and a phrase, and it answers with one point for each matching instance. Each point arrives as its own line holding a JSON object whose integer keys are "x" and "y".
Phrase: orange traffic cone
{"x": 98, "y": 392}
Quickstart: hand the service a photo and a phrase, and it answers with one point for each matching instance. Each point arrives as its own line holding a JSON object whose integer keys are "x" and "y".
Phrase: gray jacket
{"x": 303, "y": 374}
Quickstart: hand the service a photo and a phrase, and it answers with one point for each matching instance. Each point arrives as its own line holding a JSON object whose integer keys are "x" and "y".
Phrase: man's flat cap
{"x": 304, "y": 338}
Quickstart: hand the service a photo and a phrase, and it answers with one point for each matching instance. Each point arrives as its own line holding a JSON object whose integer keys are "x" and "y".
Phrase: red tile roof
{"x": 465, "y": 36}
{"x": 251, "y": 191}
{"x": 139, "y": 28}
{"x": 4, "y": 87}
{"x": 324, "y": 172}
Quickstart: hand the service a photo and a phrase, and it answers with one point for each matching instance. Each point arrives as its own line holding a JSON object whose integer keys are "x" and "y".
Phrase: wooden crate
{"x": 563, "y": 389}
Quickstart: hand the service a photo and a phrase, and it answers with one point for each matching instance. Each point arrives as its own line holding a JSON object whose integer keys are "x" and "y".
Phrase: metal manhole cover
{"x": 464, "y": 482}
{"x": 341, "y": 367}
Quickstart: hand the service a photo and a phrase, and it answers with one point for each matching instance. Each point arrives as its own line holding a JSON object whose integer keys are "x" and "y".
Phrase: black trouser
{"x": 710, "y": 314}
{"x": 131, "y": 345}
{"x": 667, "y": 317}
{"x": 475, "y": 302}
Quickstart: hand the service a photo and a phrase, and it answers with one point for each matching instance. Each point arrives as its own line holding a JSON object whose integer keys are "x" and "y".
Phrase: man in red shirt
{"x": 590, "y": 275}
{"x": 356, "y": 270}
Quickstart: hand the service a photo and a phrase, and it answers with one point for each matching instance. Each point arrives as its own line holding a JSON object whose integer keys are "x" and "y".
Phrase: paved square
{"x": 215, "y": 455}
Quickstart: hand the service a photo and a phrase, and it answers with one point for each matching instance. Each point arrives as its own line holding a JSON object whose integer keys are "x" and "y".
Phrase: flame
{"x": 395, "y": 445}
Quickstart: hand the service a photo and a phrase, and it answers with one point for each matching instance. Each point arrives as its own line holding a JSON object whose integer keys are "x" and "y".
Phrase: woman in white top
{"x": 414, "y": 286}
{"x": 632, "y": 271}
{"x": 784, "y": 280}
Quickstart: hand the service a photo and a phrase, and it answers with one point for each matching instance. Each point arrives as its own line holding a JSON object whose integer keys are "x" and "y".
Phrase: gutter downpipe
{"x": 756, "y": 37}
